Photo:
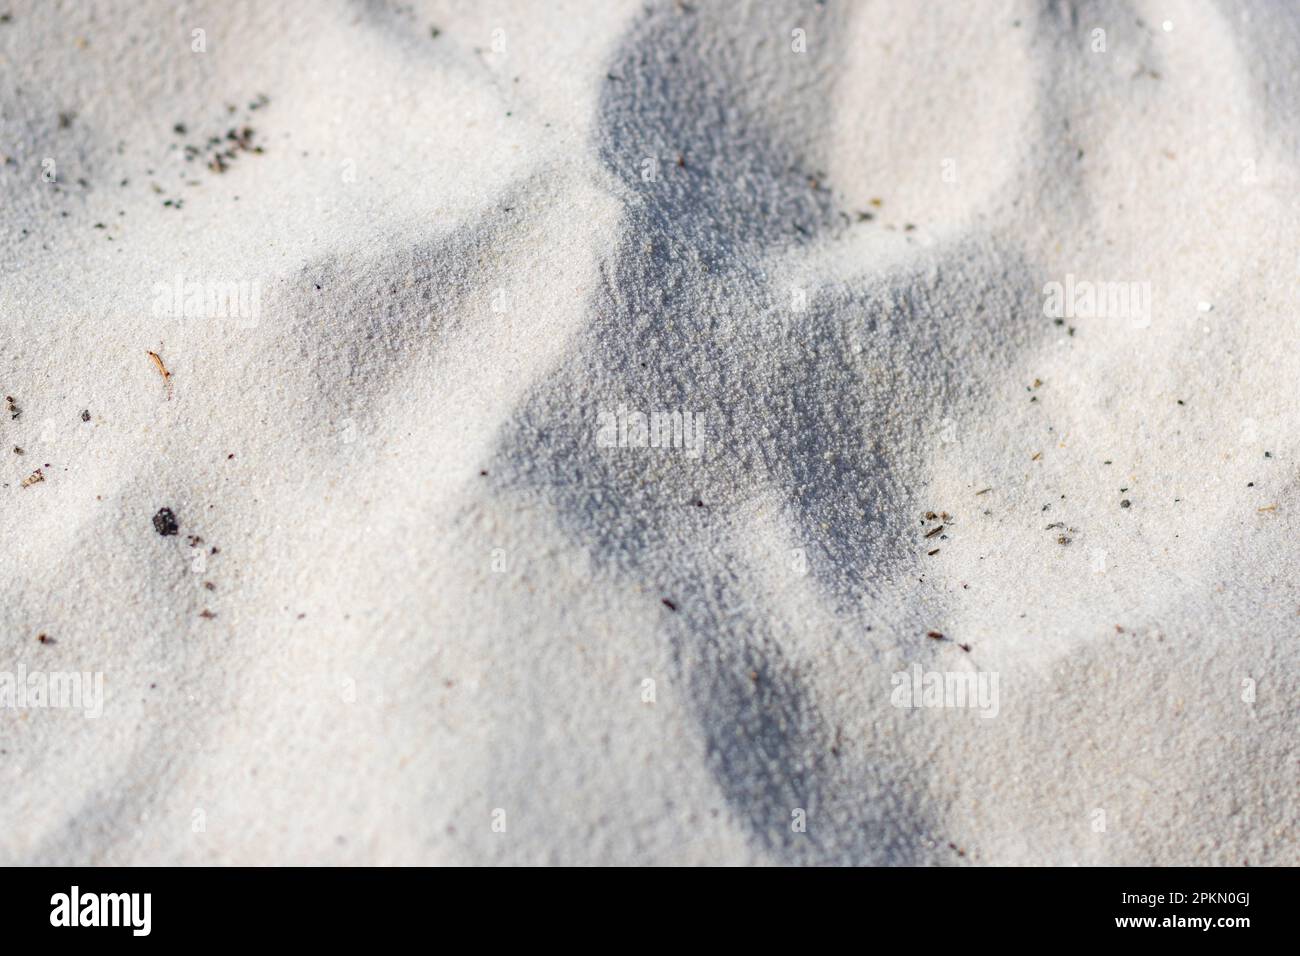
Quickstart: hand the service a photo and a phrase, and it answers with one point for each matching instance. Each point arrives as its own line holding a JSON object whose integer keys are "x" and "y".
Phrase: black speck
{"x": 85, "y": 415}
{"x": 669, "y": 604}
{"x": 1125, "y": 503}
{"x": 164, "y": 522}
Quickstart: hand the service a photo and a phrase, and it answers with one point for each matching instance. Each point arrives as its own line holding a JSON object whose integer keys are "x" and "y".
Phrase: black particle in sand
{"x": 164, "y": 522}
{"x": 85, "y": 415}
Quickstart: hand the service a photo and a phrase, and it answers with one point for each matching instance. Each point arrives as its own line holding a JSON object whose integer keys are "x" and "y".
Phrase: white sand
{"x": 461, "y": 267}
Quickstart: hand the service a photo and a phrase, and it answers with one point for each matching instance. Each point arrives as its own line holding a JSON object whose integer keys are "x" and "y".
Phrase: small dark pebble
{"x": 164, "y": 522}
{"x": 85, "y": 415}
{"x": 669, "y": 604}
{"x": 1125, "y": 503}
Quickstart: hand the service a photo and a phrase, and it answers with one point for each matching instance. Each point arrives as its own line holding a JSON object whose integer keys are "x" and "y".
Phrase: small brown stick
{"x": 162, "y": 370}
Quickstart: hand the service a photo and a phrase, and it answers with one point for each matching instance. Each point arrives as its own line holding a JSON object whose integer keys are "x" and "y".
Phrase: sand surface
{"x": 426, "y": 604}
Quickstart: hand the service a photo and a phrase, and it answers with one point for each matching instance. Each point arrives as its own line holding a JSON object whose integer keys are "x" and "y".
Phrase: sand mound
{"x": 615, "y": 433}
